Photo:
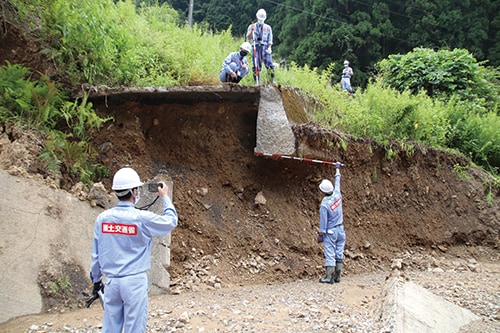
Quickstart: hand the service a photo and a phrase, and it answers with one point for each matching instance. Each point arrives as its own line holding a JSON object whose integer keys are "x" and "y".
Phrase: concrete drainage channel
{"x": 410, "y": 308}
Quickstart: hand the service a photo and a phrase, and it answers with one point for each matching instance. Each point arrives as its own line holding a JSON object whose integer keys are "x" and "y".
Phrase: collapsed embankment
{"x": 204, "y": 140}
{"x": 246, "y": 219}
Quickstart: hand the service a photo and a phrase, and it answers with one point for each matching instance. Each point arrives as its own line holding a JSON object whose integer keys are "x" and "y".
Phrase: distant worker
{"x": 347, "y": 73}
{"x": 121, "y": 251}
{"x": 261, "y": 35}
{"x": 235, "y": 66}
{"x": 331, "y": 228}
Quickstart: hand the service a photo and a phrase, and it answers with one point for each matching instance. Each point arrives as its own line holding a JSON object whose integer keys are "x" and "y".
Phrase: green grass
{"x": 114, "y": 44}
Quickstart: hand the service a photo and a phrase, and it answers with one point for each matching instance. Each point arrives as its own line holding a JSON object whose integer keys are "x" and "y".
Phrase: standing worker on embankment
{"x": 347, "y": 73}
{"x": 331, "y": 227}
{"x": 261, "y": 35}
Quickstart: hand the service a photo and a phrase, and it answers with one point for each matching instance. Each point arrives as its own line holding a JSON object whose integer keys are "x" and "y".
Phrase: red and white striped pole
{"x": 257, "y": 153}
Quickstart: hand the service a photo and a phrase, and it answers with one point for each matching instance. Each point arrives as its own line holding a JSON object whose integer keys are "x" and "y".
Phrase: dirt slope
{"x": 412, "y": 201}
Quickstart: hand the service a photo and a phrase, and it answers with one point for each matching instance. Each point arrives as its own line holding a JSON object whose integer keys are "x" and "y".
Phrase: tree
{"x": 320, "y": 32}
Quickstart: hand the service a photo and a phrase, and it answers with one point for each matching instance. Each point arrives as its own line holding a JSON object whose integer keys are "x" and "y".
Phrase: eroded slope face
{"x": 207, "y": 149}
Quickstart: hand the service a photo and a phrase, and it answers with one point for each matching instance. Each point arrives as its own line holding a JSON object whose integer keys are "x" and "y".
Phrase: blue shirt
{"x": 238, "y": 61}
{"x": 262, "y": 34}
{"x": 330, "y": 211}
{"x": 123, "y": 239}
{"x": 347, "y": 72}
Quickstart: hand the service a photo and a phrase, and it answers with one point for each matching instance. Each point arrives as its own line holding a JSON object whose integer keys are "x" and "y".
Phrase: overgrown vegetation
{"x": 319, "y": 32}
{"x": 39, "y": 105}
{"x": 103, "y": 42}
{"x": 439, "y": 98}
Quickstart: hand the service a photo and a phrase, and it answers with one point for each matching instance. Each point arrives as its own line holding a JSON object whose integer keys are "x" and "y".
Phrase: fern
{"x": 79, "y": 117}
{"x": 72, "y": 157}
{"x": 41, "y": 105}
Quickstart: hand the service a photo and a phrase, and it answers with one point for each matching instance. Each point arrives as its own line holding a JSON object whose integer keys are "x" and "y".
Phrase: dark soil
{"x": 412, "y": 201}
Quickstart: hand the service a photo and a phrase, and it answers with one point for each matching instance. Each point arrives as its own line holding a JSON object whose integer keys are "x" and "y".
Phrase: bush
{"x": 475, "y": 132}
{"x": 441, "y": 74}
{"x": 471, "y": 93}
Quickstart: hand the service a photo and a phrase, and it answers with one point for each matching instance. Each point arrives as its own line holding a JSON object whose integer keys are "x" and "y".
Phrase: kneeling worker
{"x": 235, "y": 66}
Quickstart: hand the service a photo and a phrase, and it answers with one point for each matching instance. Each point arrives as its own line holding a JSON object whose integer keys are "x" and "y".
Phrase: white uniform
{"x": 347, "y": 73}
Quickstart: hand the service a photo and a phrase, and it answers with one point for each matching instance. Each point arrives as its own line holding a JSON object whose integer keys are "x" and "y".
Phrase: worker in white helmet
{"x": 121, "y": 251}
{"x": 331, "y": 228}
{"x": 261, "y": 36}
{"x": 347, "y": 73}
{"x": 235, "y": 66}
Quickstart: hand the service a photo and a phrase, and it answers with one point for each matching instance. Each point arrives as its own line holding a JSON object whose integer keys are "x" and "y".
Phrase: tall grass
{"x": 103, "y": 42}
{"x": 386, "y": 114}
{"x": 100, "y": 42}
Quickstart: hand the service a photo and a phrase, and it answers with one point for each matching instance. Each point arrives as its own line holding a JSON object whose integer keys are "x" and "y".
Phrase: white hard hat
{"x": 261, "y": 15}
{"x": 246, "y": 46}
{"x": 326, "y": 186}
{"x": 346, "y": 62}
{"x": 125, "y": 179}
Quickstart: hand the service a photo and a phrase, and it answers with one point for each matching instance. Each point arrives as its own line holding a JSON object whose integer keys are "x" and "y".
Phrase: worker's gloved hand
{"x": 269, "y": 51}
{"x": 97, "y": 286}
{"x": 337, "y": 165}
{"x": 320, "y": 238}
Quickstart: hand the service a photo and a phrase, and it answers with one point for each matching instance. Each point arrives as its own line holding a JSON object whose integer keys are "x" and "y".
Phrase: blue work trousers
{"x": 346, "y": 84}
{"x": 126, "y": 304}
{"x": 333, "y": 245}
{"x": 260, "y": 55}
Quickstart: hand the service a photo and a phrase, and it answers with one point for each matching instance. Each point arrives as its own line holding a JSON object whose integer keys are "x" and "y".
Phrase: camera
{"x": 153, "y": 186}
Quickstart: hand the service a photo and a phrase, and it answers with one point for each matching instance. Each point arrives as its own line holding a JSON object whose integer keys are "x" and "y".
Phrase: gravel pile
{"x": 353, "y": 305}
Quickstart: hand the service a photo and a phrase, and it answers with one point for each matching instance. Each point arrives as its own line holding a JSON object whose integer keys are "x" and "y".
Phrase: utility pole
{"x": 190, "y": 13}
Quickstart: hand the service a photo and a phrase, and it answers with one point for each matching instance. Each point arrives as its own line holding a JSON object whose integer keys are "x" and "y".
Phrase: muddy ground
{"x": 415, "y": 200}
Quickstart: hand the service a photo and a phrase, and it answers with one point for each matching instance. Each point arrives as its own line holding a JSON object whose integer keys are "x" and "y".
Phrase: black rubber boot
{"x": 330, "y": 270}
{"x": 272, "y": 75}
{"x": 338, "y": 270}
{"x": 235, "y": 80}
